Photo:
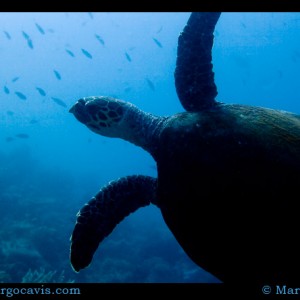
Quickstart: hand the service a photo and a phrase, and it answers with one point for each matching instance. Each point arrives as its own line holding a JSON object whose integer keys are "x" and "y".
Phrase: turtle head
{"x": 103, "y": 115}
{"x": 116, "y": 118}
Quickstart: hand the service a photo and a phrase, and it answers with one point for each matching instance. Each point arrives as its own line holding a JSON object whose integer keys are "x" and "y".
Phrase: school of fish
{"x": 9, "y": 87}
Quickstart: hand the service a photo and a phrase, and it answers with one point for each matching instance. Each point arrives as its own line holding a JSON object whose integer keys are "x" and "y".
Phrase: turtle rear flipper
{"x": 194, "y": 77}
{"x": 102, "y": 213}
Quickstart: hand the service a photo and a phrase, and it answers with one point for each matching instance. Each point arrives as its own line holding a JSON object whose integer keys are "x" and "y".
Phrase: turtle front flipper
{"x": 102, "y": 213}
{"x": 194, "y": 78}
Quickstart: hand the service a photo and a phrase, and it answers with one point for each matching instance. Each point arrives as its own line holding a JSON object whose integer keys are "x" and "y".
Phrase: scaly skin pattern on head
{"x": 112, "y": 117}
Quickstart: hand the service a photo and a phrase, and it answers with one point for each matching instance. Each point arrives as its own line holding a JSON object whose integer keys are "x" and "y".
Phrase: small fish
{"x": 51, "y": 30}
{"x": 91, "y": 15}
{"x": 70, "y": 52}
{"x": 6, "y": 90}
{"x": 59, "y": 102}
{"x": 40, "y": 29}
{"x": 243, "y": 25}
{"x": 128, "y": 57}
{"x": 22, "y": 135}
{"x": 100, "y": 39}
{"x": 29, "y": 43}
{"x": 57, "y": 75}
{"x": 86, "y": 53}
{"x": 15, "y": 79}
{"x": 10, "y": 113}
{"x": 127, "y": 89}
{"x": 21, "y": 95}
{"x": 7, "y": 35}
{"x": 33, "y": 121}
{"x": 26, "y": 36}
{"x": 150, "y": 84}
{"x": 41, "y": 91}
{"x": 157, "y": 42}
{"x": 9, "y": 139}
{"x": 160, "y": 29}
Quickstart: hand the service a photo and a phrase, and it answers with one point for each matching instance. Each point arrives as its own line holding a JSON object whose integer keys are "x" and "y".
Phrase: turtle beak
{"x": 72, "y": 109}
{"x": 79, "y": 111}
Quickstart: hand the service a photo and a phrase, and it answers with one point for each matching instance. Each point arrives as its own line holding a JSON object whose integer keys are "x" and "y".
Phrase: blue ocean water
{"x": 50, "y": 164}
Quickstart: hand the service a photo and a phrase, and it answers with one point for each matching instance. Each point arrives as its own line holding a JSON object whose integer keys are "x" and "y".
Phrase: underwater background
{"x": 51, "y": 165}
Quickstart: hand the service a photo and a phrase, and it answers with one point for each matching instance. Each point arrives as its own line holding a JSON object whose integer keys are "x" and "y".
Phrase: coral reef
{"x": 39, "y": 218}
{"x": 41, "y": 276}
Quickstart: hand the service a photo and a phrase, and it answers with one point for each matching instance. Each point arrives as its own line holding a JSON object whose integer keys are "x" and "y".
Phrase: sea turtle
{"x": 228, "y": 174}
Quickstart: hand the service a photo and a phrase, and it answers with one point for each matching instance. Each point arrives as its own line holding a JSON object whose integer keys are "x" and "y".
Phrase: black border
{"x": 141, "y": 291}
{"x": 116, "y": 291}
{"x": 151, "y": 6}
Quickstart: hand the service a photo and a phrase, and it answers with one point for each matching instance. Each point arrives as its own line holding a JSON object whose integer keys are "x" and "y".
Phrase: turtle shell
{"x": 227, "y": 180}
